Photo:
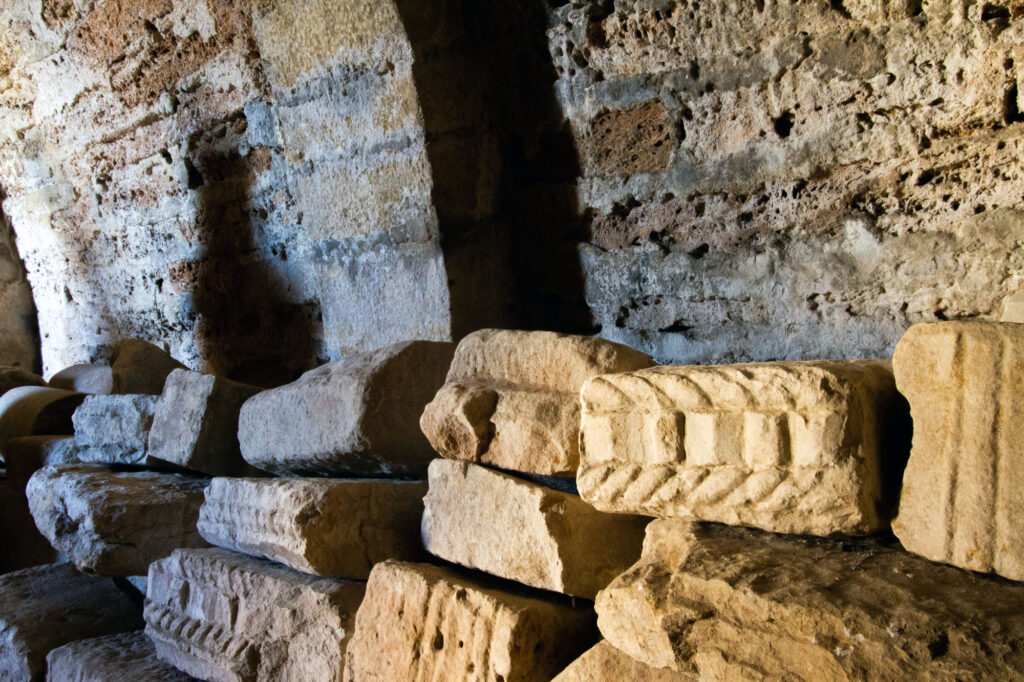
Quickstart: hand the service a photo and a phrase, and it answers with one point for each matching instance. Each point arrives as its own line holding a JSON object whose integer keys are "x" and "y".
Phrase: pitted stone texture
{"x": 127, "y": 657}
{"x": 48, "y": 606}
{"x": 525, "y": 532}
{"x": 115, "y": 523}
{"x": 788, "y": 447}
{"x": 604, "y": 663}
{"x": 961, "y": 501}
{"x": 114, "y": 429}
{"x": 84, "y": 378}
{"x": 733, "y": 603}
{"x": 222, "y": 616}
{"x": 511, "y": 398}
{"x": 37, "y": 411}
{"x": 358, "y": 416}
{"x": 138, "y": 366}
{"x": 196, "y": 423}
{"x": 420, "y": 622}
{"x": 12, "y": 377}
{"x": 23, "y": 456}
{"x": 332, "y": 528}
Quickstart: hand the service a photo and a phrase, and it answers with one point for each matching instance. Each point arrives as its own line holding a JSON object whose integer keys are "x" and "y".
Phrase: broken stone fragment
{"x": 423, "y": 622}
{"x": 358, "y": 416}
{"x": 734, "y": 603}
{"x": 196, "y": 423}
{"x": 37, "y": 411}
{"x": 511, "y": 398}
{"x": 525, "y": 532}
{"x": 125, "y": 657}
{"x": 792, "y": 447}
{"x": 329, "y": 527}
{"x": 604, "y": 663}
{"x": 115, "y": 523}
{"x": 95, "y": 379}
{"x": 48, "y": 606}
{"x": 138, "y": 366}
{"x": 961, "y": 501}
{"x": 114, "y": 429}
{"x": 218, "y": 615}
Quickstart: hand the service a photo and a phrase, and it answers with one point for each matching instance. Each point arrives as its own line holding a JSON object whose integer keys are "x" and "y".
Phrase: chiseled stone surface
{"x": 48, "y": 606}
{"x": 37, "y": 411}
{"x": 961, "y": 501}
{"x": 84, "y": 378}
{"x": 604, "y": 663}
{"x": 524, "y": 531}
{"x": 329, "y": 527}
{"x": 802, "y": 447}
{"x": 126, "y": 657}
{"x": 196, "y": 423}
{"x": 114, "y": 429}
{"x": 115, "y": 523}
{"x": 511, "y": 398}
{"x": 733, "y": 603}
{"x": 359, "y": 415}
{"x": 420, "y": 622}
{"x": 222, "y": 616}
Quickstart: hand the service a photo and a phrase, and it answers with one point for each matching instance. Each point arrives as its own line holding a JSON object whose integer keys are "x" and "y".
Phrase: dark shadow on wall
{"x": 19, "y": 323}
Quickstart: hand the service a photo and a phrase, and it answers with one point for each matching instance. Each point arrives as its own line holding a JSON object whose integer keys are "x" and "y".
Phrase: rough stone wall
{"x": 793, "y": 179}
{"x": 19, "y": 329}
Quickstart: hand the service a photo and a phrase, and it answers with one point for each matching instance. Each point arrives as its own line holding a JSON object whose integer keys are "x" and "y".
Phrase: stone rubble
{"x": 114, "y": 429}
{"x": 605, "y": 663}
{"x": 127, "y": 657}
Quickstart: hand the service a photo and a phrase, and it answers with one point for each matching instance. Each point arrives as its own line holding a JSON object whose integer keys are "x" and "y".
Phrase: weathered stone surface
{"x": 138, "y": 366}
{"x": 359, "y": 415}
{"x": 804, "y": 447}
{"x": 48, "y": 606}
{"x": 85, "y": 378}
{"x": 115, "y": 428}
{"x": 422, "y": 622}
{"x": 511, "y": 398}
{"x": 218, "y": 615}
{"x": 12, "y": 377}
{"x": 126, "y": 657}
{"x": 603, "y": 663}
{"x": 961, "y": 501}
{"x": 37, "y": 411}
{"x": 196, "y": 423}
{"x": 523, "y": 531}
{"x": 23, "y": 456}
{"x": 732, "y": 603}
{"x": 332, "y": 528}
{"x": 115, "y": 523}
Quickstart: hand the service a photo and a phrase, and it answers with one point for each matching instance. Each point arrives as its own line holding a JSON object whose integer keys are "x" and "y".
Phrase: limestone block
{"x": 23, "y": 456}
{"x": 128, "y": 656}
{"x": 329, "y": 527}
{"x": 358, "y": 416}
{"x": 604, "y": 663}
{"x": 196, "y": 423}
{"x": 511, "y": 398}
{"x": 138, "y": 366}
{"x": 961, "y": 501}
{"x": 48, "y": 606}
{"x": 37, "y": 411}
{"x": 13, "y": 377}
{"x": 523, "y": 531}
{"x": 85, "y": 378}
{"x": 795, "y": 447}
{"x": 114, "y": 429}
{"x": 420, "y": 622}
{"x": 222, "y": 616}
{"x": 115, "y": 523}
{"x": 733, "y": 603}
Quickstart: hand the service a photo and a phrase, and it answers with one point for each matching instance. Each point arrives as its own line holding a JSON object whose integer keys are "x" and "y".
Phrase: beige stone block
{"x": 96, "y": 379}
{"x": 138, "y": 366}
{"x": 328, "y": 527}
{"x": 222, "y": 616}
{"x": 420, "y": 622}
{"x": 961, "y": 501}
{"x": 37, "y": 411}
{"x": 525, "y": 532}
{"x": 127, "y": 657}
{"x": 726, "y": 602}
{"x": 794, "y": 447}
{"x": 604, "y": 663}
{"x": 511, "y": 398}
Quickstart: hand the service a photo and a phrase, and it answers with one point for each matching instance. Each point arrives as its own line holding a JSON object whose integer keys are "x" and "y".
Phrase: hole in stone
{"x": 784, "y": 124}
{"x": 438, "y": 642}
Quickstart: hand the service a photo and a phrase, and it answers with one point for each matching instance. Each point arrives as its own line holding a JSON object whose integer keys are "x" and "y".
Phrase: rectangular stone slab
{"x": 604, "y": 662}
{"x": 45, "y": 607}
{"x": 423, "y": 622}
{"x": 218, "y": 615}
{"x": 128, "y": 657}
{"x": 793, "y": 447}
{"x": 961, "y": 501}
{"x": 114, "y": 429}
{"x": 115, "y": 523}
{"x": 735, "y": 603}
{"x": 334, "y": 528}
{"x": 511, "y": 399}
{"x": 523, "y": 531}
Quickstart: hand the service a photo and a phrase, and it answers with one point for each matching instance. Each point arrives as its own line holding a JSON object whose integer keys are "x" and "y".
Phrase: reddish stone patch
{"x": 639, "y": 139}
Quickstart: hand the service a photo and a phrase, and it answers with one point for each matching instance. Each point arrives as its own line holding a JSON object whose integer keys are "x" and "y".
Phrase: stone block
{"x": 961, "y": 501}
{"x": 196, "y": 423}
{"x": 423, "y": 622}
{"x": 525, "y": 532}
{"x": 138, "y": 366}
{"x": 13, "y": 377}
{"x": 797, "y": 447}
{"x": 37, "y": 411}
{"x": 511, "y": 398}
{"x": 638, "y": 139}
{"x": 115, "y": 523}
{"x": 726, "y": 602}
{"x": 328, "y": 527}
{"x": 85, "y": 378}
{"x": 222, "y": 616}
{"x": 114, "y": 429}
{"x": 128, "y": 656}
{"x": 603, "y": 662}
{"x": 357, "y": 416}
{"x": 23, "y": 456}
{"x": 48, "y": 606}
